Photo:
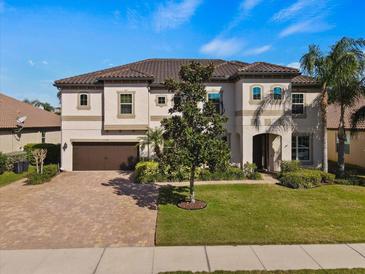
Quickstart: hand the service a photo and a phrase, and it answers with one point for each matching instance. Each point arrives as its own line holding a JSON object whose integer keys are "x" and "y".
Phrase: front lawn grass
{"x": 262, "y": 214}
{"x": 9, "y": 177}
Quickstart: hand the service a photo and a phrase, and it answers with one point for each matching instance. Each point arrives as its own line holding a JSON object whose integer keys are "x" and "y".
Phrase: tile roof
{"x": 333, "y": 115}
{"x": 158, "y": 70}
{"x": 263, "y": 67}
{"x": 304, "y": 80}
{"x": 11, "y": 109}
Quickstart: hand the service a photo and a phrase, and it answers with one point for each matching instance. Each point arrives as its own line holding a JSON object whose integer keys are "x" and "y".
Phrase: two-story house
{"x": 273, "y": 112}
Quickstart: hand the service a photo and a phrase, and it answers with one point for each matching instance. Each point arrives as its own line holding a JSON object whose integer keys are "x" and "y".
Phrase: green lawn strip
{"x": 319, "y": 271}
{"x": 9, "y": 177}
{"x": 263, "y": 214}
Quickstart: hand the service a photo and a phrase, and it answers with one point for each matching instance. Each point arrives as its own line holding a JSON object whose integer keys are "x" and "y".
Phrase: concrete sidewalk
{"x": 194, "y": 258}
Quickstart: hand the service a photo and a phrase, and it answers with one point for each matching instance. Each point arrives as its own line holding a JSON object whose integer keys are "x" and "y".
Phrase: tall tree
{"x": 196, "y": 129}
{"x": 331, "y": 70}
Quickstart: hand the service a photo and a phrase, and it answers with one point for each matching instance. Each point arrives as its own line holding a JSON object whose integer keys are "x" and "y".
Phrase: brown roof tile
{"x": 304, "y": 80}
{"x": 158, "y": 69}
{"x": 333, "y": 115}
{"x": 11, "y": 109}
{"x": 263, "y": 67}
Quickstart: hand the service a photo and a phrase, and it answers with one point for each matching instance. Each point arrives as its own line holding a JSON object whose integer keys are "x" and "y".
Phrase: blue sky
{"x": 42, "y": 41}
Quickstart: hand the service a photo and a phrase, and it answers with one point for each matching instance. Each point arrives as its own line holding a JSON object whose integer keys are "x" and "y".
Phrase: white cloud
{"x": 173, "y": 14}
{"x": 294, "y": 9}
{"x": 258, "y": 50}
{"x": 294, "y": 65}
{"x": 31, "y": 62}
{"x": 248, "y": 5}
{"x": 44, "y": 62}
{"x": 308, "y": 26}
{"x": 222, "y": 47}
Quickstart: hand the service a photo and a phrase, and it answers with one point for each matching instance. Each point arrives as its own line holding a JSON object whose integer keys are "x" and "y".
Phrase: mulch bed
{"x": 192, "y": 206}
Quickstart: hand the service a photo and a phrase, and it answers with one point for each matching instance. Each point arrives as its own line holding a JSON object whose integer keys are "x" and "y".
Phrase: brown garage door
{"x": 104, "y": 156}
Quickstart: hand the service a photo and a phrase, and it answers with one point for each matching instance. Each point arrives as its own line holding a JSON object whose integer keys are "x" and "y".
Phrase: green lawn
{"x": 319, "y": 271}
{"x": 8, "y": 177}
{"x": 263, "y": 214}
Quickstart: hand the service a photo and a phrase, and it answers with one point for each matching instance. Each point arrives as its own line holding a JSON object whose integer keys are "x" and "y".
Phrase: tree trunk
{"x": 341, "y": 143}
{"x": 324, "y": 104}
{"x": 192, "y": 179}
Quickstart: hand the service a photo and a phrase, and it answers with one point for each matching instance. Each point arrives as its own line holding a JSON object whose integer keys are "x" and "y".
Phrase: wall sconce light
{"x": 64, "y": 146}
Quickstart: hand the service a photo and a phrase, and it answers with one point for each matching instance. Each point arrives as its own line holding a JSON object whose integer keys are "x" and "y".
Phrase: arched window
{"x": 256, "y": 93}
{"x": 277, "y": 93}
{"x": 84, "y": 100}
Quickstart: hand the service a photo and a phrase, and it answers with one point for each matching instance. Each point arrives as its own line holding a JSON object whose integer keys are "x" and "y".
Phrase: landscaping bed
{"x": 262, "y": 214}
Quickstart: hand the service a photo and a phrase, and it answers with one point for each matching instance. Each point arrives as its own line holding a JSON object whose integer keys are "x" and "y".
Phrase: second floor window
{"x": 215, "y": 98}
{"x": 126, "y": 103}
{"x": 256, "y": 93}
{"x": 84, "y": 100}
{"x": 297, "y": 103}
{"x": 277, "y": 93}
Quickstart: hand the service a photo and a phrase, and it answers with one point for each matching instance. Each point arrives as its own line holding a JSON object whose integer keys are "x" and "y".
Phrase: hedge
{"x": 53, "y": 152}
{"x": 149, "y": 171}
{"x": 306, "y": 178}
{"x": 3, "y": 160}
{"x": 49, "y": 171}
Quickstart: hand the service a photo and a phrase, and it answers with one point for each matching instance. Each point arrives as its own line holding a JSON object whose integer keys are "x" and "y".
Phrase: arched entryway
{"x": 266, "y": 152}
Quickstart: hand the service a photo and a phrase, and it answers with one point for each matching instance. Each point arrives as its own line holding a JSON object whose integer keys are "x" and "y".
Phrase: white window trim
{"x": 126, "y": 115}
{"x": 304, "y": 108}
{"x": 296, "y": 135}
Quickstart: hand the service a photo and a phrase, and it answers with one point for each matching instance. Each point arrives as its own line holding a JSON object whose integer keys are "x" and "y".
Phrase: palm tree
{"x": 153, "y": 137}
{"x": 333, "y": 71}
{"x": 36, "y": 103}
{"x": 318, "y": 66}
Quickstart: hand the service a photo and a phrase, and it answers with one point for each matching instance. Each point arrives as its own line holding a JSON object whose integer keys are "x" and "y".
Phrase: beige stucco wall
{"x": 357, "y": 148}
{"x": 275, "y": 118}
{"x": 10, "y": 142}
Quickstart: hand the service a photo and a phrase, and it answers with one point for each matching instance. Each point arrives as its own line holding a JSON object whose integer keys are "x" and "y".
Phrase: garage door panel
{"x": 103, "y": 156}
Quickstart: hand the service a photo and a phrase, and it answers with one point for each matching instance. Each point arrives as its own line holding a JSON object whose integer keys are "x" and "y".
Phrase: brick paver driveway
{"x": 78, "y": 209}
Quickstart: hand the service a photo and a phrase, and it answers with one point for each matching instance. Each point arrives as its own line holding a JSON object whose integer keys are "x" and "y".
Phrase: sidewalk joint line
{"x": 355, "y": 250}
{"x": 306, "y": 252}
{"x": 206, "y": 256}
{"x": 97, "y": 265}
{"x": 257, "y": 256}
{"x": 153, "y": 259}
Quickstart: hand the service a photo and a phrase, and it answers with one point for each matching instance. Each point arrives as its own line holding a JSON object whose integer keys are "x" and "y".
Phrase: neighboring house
{"x": 273, "y": 112}
{"x": 39, "y": 126}
{"x": 355, "y": 143}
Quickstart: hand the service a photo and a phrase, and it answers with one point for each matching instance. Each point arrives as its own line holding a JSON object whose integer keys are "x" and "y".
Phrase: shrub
{"x": 250, "y": 171}
{"x": 353, "y": 180}
{"x": 147, "y": 172}
{"x": 3, "y": 161}
{"x": 15, "y": 157}
{"x": 304, "y": 178}
{"x": 53, "y": 152}
{"x": 49, "y": 171}
{"x": 230, "y": 173}
{"x": 327, "y": 178}
{"x": 289, "y": 166}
